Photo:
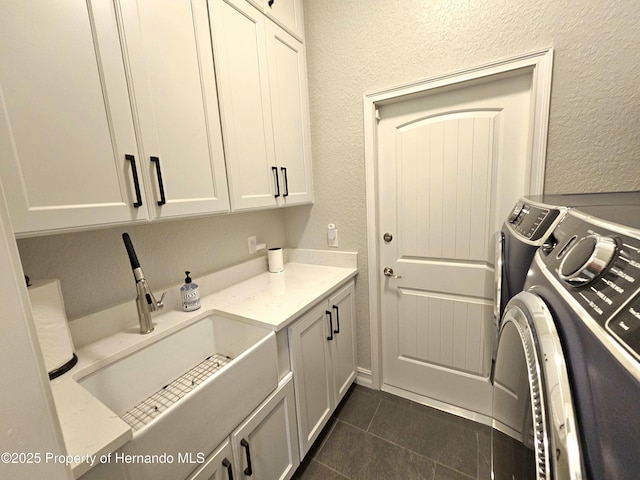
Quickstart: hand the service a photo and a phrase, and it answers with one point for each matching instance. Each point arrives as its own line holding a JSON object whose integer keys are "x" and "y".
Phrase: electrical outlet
{"x": 252, "y": 243}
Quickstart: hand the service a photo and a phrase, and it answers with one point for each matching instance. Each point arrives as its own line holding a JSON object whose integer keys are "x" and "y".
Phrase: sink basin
{"x": 186, "y": 392}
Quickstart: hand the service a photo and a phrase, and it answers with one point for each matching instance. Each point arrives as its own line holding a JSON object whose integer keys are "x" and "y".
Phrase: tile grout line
{"x": 329, "y": 468}
{"x": 326, "y": 437}
{"x": 477, "y": 455}
{"x": 374, "y": 415}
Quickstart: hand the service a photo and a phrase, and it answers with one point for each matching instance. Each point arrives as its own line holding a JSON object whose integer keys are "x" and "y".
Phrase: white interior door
{"x": 450, "y": 166}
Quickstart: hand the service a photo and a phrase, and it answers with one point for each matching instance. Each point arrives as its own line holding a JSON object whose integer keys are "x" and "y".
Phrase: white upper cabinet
{"x": 290, "y": 114}
{"x": 109, "y": 110}
{"x": 171, "y": 60}
{"x": 286, "y": 13}
{"x": 245, "y": 107}
{"x": 262, "y": 83}
{"x": 67, "y": 140}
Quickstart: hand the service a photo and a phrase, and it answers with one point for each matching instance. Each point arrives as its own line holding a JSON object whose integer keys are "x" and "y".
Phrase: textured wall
{"x": 94, "y": 268}
{"x": 356, "y": 46}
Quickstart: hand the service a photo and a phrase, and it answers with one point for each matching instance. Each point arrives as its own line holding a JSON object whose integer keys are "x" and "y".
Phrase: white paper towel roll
{"x": 52, "y": 327}
{"x": 275, "y": 259}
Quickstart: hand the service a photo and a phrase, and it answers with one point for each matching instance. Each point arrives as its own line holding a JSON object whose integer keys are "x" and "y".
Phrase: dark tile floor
{"x": 375, "y": 435}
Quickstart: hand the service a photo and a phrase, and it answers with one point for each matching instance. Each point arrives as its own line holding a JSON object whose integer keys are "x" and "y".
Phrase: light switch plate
{"x": 332, "y": 235}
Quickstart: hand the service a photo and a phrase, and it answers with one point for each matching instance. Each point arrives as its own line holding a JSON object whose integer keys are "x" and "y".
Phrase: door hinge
{"x": 378, "y": 115}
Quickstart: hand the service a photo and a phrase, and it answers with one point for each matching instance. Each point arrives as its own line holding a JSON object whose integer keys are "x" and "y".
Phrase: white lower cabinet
{"x": 218, "y": 466}
{"x": 266, "y": 444}
{"x": 263, "y": 447}
{"x": 323, "y": 359}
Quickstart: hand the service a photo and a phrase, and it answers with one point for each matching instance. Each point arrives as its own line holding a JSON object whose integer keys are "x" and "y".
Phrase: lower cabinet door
{"x": 265, "y": 446}
{"x": 343, "y": 347}
{"x": 309, "y": 340}
{"x": 218, "y": 466}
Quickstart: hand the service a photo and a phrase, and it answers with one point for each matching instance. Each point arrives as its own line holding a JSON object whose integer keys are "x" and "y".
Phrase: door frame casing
{"x": 541, "y": 65}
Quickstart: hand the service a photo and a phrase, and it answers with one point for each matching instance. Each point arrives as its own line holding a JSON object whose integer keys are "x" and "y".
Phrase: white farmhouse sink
{"x": 196, "y": 423}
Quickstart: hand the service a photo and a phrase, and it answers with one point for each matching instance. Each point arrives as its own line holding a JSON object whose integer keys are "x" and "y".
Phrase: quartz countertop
{"x": 269, "y": 300}
{"x": 274, "y": 300}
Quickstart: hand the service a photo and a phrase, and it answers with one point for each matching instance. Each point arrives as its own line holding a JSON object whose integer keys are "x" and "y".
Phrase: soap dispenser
{"x": 190, "y": 295}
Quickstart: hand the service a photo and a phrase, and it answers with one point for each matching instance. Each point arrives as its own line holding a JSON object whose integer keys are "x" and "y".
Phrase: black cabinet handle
{"x": 227, "y": 464}
{"x": 271, "y": 2}
{"x": 286, "y": 182}
{"x": 275, "y": 172}
{"x": 247, "y": 471}
{"x": 162, "y": 200}
{"x": 136, "y": 182}
{"x": 330, "y": 337}
{"x": 337, "y": 330}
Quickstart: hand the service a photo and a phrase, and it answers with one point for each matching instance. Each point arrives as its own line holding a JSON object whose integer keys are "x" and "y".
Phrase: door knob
{"x": 388, "y": 272}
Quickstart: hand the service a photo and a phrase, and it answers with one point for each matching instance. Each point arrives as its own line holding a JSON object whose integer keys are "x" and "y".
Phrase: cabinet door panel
{"x": 215, "y": 466}
{"x": 172, "y": 68}
{"x": 242, "y": 72}
{"x": 271, "y": 435}
{"x": 288, "y": 14}
{"x": 343, "y": 349}
{"x": 66, "y": 123}
{"x": 312, "y": 373}
{"x": 290, "y": 109}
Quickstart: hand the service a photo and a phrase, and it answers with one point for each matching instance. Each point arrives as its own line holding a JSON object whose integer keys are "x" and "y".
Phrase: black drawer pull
{"x": 162, "y": 200}
{"x": 337, "y": 330}
{"x": 286, "y": 182}
{"x": 275, "y": 172}
{"x": 136, "y": 182}
{"x": 330, "y": 337}
{"x": 227, "y": 464}
{"x": 247, "y": 471}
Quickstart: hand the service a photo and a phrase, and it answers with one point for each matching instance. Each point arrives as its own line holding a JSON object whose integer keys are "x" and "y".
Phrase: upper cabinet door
{"x": 245, "y": 109}
{"x": 171, "y": 60}
{"x": 67, "y": 140}
{"x": 290, "y": 111}
{"x": 288, "y": 14}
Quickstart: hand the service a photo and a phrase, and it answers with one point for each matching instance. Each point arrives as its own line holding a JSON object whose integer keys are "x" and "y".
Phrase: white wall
{"x": 356, "y": 46}
{"x": 94, "y": 270}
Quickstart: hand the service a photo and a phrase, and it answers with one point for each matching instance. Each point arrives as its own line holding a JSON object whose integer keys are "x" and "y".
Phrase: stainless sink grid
{"x": 148, "y": 409}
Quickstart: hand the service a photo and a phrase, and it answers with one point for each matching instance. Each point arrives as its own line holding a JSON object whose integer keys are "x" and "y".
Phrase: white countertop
{"x": 273, "y": 300}
{"x": 269, "y": 300}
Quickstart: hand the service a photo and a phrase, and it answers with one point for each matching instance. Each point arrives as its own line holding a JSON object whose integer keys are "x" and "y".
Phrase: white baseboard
{"x": 364, "y": 377}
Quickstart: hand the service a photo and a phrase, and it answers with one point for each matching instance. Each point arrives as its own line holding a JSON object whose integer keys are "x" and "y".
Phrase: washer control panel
{"x": 600, "y": 268}
{"x": 531, "y": 221}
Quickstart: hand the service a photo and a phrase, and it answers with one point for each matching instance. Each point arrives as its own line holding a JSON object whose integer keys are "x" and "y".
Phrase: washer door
{"x": 534, "y": 432}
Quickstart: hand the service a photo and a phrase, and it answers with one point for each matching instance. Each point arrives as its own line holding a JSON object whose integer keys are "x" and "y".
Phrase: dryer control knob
{"x": 516, "y": 212}
{"x": 587, "y": 259}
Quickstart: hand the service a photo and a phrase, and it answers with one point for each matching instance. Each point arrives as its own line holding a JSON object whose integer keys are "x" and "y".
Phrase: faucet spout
{"x": 145, "y": 301}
